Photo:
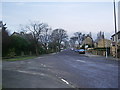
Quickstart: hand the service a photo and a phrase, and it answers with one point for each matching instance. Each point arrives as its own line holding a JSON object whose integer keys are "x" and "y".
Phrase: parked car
{"x": 81, "y": 51}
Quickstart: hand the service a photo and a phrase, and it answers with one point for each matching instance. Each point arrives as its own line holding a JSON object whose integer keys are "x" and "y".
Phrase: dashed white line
{"x": 40, "y": 57}
{"x": 112, "y": 65}
{"x": 80, "y": 60}
{"x": 29, "y": 72}
{"x": 65, "y": 81}
{"x": 28, "y": 62}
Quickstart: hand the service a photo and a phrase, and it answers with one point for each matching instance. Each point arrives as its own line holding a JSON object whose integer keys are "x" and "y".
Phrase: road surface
{"x": 66, "y": 69}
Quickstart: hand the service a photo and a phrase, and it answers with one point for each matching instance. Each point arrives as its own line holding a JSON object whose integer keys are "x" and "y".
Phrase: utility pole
{"x": 115, "y": 29}
{"x": 106, "y": 49}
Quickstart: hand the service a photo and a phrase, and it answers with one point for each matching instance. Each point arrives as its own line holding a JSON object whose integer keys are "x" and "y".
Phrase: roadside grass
{"x": 20, "y": 58}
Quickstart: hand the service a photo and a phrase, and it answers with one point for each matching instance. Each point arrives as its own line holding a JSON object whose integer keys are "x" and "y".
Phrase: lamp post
{"x": 115, "y": 29}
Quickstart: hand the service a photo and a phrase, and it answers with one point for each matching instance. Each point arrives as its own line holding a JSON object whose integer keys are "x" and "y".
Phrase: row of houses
{"x": 102, "y": 45}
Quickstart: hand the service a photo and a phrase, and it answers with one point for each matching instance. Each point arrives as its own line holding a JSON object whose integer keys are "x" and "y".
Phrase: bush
{"x": 19, "y": 44}
{"x": 11, "y": 52}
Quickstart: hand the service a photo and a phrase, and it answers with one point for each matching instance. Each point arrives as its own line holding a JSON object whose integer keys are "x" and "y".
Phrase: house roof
{"x": 88, "y": 37}
{"x": 115, "y": 34}
{"x": 15, "y": 33}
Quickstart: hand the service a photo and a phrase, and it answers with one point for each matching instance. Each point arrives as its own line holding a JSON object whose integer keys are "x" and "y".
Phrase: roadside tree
{"x": 37, "y": 29}
{"x": 57, "y": 36}
{"x": 5, "y": 40}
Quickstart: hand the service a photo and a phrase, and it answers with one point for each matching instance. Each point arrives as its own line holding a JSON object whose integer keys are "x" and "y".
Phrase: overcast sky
{"x": 82, "y": 17}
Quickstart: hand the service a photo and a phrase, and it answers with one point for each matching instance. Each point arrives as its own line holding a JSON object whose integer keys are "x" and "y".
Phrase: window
{"x": 118, "y": 35}
{"x": 113, "y": 38}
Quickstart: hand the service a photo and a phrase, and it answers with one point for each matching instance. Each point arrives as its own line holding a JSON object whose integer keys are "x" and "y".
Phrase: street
{"x": 66, "y": 69}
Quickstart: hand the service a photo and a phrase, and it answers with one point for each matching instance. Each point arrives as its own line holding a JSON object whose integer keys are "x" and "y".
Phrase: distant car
{"x": 81, "y": 51}
{"x": 76, "y": 50}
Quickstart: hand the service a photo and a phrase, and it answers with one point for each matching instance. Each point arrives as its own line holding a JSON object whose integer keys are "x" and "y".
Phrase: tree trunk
{"x": 46, "y": 48}
{"x": 36, "y": 50}
{"x": 22, "y": 53}
{"x": 30, "y": 53}
{"x": 59, "y": 47}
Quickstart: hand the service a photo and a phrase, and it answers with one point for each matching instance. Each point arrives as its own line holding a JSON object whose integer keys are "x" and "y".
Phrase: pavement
{"x": 108, "y": 57}
{"x": 66, "y": 69}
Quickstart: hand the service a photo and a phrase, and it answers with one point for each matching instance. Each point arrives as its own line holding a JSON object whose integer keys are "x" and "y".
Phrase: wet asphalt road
{"x": 66, "y": 69}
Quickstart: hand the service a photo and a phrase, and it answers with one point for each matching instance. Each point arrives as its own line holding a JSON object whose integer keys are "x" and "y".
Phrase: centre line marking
{"x": 65, "y": 81}
{"x": 40, "y": 57}
{"x": 29, "y": 72}
{"x": 80, "y": 60}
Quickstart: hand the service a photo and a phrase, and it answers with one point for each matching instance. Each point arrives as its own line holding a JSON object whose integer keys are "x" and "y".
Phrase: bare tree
{"x": 79, "y": 35}
{"x": 59, "y": 35}
{"x": 45, "y": 38}
{"x": 73, "y": 40}
{"x": 36, "y": 29}
{"x": 100, "y": 35}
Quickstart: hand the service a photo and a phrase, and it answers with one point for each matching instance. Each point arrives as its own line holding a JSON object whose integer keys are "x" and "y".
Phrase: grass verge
{"x": 20, "y": 58}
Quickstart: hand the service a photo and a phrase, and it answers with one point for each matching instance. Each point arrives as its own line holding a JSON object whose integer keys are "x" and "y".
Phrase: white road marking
{"x": 40, "y": 57}
{"x": 43, "y": 65}
{"x": 29, "y": 72}
{"x": 80, "y": 60}
{"x": 24, "y": 72}
{"x": 65, "y": 81}
{"x": 112, "y": 65}
{"x": 28, "y": 62}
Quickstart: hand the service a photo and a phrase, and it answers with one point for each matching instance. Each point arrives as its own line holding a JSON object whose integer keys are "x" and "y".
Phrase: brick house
{"x": 113, "y": 44}
{"x": 88, "y": 41}
{"x": 102, "y": 45}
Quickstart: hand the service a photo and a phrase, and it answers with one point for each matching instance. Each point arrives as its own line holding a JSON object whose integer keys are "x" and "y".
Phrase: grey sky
{"x": 84, "y": 17}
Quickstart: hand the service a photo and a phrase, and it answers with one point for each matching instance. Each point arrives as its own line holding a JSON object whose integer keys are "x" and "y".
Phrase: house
{"x": 88, "y": 41}
{"x": 15, "y": 33}
{"x": 103, "y": 43}
{"x": 113, "y": 44}
{"x": 101, "y": 46}
{"x": 23, "y": 35}
{"x": 118, "y": 37}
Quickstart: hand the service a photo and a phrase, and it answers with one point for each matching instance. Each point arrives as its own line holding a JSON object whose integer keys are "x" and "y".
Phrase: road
{"x": 66, "y": 69}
